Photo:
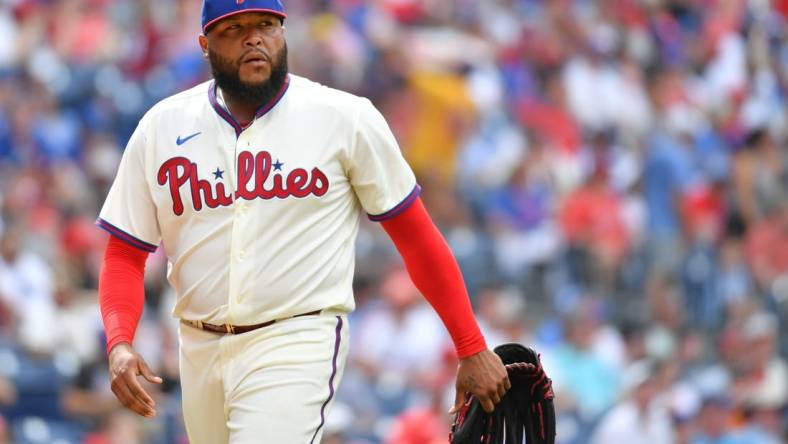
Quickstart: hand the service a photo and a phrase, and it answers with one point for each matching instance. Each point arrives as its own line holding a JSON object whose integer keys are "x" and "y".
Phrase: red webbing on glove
{"x": 121, "y": 290}
{"x": 435, "y": 272}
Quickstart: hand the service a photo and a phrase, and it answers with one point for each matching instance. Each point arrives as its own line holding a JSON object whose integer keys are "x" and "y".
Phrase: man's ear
{"x": 203, "y": 41}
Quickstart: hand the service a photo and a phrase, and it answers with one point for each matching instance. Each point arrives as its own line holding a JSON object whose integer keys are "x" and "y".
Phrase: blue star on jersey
{"x": 218, "y": 174}
{"x": 278, "y": 165}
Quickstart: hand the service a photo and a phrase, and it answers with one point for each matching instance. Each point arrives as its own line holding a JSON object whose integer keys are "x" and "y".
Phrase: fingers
{"x": 504, "y": 387}
{"x": 505, "y": 384}
{"x": 487, "y": 404}
{"x": 496, "y": 394}
{"x": 490, "y": 397}
{"x": 136, "y": 389}
{"x": 459, "y": 400}
{"x": 125, "y": 367}
{"x": 148, "y": 374}
{"x": 129, "y": 400}
{"x": 485, "y": 376}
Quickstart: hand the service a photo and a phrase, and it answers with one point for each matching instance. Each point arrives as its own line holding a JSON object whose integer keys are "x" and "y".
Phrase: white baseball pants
{"x": 272, "y": 385}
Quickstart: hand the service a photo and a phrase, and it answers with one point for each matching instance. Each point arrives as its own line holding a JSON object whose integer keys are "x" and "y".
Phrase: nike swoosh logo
{"x": 186, "y": 139}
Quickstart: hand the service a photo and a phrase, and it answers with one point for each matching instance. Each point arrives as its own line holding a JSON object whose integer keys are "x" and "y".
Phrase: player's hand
{"x": 124, "y": 367}
{"x": 484, "y": 376}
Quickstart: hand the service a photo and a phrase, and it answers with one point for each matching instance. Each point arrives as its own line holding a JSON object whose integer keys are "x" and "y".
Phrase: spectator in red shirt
{"x": 767, "y": 247}
{"x": 592, "y": 222}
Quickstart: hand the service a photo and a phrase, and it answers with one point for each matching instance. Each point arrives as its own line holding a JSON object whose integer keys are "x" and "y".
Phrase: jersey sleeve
{"x": 381, "y": 178}
{"x": 129, "y": 212}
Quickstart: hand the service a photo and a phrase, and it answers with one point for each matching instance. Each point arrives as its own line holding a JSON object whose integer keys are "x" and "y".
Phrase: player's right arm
{"x": 129, "y": 215}
{"x": 121, "y": 299}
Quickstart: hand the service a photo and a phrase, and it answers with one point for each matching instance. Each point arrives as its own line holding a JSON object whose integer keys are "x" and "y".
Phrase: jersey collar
{"x": 225, "y": 114}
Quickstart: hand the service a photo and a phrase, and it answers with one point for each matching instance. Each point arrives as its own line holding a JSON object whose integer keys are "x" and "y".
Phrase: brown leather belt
{"x": 229, "y": 329}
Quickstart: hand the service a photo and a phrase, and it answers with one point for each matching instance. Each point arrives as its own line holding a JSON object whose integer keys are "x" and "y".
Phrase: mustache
{"x": 259, "y": 52}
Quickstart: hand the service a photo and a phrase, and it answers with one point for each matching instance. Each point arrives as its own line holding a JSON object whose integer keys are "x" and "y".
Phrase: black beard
{"x": 227, "y": 76}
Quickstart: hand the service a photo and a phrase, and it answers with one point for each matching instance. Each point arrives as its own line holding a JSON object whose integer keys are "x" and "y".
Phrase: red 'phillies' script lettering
{"x": 253, "y": 173}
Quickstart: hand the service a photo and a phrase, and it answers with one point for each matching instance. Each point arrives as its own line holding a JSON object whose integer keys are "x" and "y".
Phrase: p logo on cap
{"x": 215, "y": 10}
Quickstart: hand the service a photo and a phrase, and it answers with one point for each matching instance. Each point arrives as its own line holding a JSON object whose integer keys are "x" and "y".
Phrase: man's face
{"x": 714, "y": 420}
{"x": 248, "y": 54}
{"x": 10, "y": 245}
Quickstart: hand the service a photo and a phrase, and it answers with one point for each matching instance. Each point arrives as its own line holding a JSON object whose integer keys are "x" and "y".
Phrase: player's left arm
{"x": 435, "y": 272}
{"x": 386, "y": 188}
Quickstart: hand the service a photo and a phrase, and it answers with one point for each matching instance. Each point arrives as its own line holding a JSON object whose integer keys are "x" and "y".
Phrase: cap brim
{"x": 279, "y": 14}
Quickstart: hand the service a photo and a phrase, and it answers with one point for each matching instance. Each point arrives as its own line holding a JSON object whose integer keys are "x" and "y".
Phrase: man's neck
{"x": 241, "y": 111}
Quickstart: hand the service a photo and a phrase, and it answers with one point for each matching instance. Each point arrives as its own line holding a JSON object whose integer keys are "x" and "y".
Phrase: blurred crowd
{"x": 612, "y": 176}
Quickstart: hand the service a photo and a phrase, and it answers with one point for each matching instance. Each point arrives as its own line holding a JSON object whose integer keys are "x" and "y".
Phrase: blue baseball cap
{"x": 215, "y": 10}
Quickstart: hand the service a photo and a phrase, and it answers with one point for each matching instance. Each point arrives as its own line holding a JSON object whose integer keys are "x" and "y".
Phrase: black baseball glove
{"x": 526, "y": 411}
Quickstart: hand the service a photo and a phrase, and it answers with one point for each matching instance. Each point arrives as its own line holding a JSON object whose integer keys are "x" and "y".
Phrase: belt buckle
{"x": 229, "y": 328}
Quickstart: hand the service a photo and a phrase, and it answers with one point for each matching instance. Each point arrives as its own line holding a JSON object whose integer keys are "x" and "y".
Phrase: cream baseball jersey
{"x": 258, "y": 223}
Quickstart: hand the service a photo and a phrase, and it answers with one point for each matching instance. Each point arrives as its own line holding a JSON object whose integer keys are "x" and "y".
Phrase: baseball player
{"x": 253, "y": 183}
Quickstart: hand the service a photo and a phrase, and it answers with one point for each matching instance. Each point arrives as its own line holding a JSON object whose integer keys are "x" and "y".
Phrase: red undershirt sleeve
{"x": 435, "y": 272}
{"x": 121, "y": 290}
